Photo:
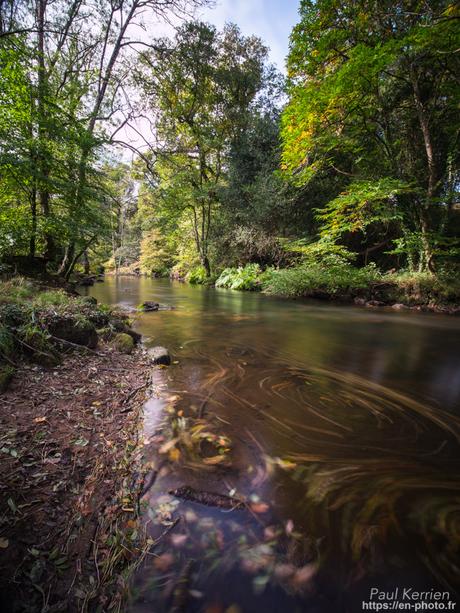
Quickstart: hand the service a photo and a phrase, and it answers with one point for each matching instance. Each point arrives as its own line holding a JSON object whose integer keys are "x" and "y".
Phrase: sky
{"x": 271, "y": 20}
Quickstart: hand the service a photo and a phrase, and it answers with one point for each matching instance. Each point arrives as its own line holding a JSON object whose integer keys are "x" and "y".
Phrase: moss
{"x": 106, "y": 333}
{"x": 6, "y": 374}
{"x": 123, "y": 343}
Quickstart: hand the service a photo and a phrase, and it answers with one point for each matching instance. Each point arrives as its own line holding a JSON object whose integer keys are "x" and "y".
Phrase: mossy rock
{"x": 123, "y": 342}
{"x": 78, "y": 332}
{"x": 6, "y": 374}
{"x": 106, "y": 333}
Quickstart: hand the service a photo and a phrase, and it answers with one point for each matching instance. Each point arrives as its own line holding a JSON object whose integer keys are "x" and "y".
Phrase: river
{"x": 339, "y": 428}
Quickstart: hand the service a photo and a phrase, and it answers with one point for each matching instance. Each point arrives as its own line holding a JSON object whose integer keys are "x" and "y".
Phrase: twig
{"x": 165, "y": 533}
{"x": 62, "y": 340}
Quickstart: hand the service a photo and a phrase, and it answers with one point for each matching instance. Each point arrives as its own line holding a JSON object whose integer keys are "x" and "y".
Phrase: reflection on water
{"x": 345, "y": 445}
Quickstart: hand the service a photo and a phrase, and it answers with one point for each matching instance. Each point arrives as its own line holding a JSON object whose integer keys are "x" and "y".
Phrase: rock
{"x": 79, "y": 332}
{"x": 374, "y": 303}
{"x": 120, "y": 325}
{"x": 160, "y": 355}
{"x": 86, "y": 281}
{"x": 149, "y": 306}
{"x": 360, "y": 301}
{"x": 106, "y": 333}
{"x": 133, "y": 334}
{"x": 399, "y": 306}
{"x": 123, "y": 343}
{"x": 6, "y": 374}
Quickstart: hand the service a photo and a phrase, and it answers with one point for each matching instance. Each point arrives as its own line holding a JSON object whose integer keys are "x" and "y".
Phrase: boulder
{"x": 398, "y": 306}
{"x": 360, "y": 301}
{"x": 133, "y": 334}
{"x": 374, "y": 303}
{"x": 160, "y": 355}
{"x": 120, "y": 325}
{"x": 90, "y": 300}
{"x": 149, "y": 306}
{"x": 123, "y": 343}
{"x": 79, "y": 332}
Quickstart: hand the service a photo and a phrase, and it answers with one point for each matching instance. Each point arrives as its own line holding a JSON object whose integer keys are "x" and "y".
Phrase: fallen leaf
{"x": 39, "y": 420}
{"x": 168, "y": 445}
{"x": 174, "y": 454}
{"x": 217, "y": 459}
{"x": 178, "y": 540}
{"x": 163, "y": 562}
{"x": 259, "y": 507}
{"x": 4, "y": 543}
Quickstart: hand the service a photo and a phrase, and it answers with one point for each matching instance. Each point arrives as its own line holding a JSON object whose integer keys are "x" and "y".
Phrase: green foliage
{"x": 7, "y": 342}
{"x": 373, "y": 102}
{"x": 246, "y": 278}
{"x": 157, "y": 253}
{"x": 363, "y": 203}
{"x": 197, "y": 276}
{"x": 312, "y": 279}
{"x": 201, "y": 86}
{"x": 123, "y": 342}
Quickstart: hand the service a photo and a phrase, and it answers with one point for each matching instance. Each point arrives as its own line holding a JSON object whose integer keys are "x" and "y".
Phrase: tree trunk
{"x": 85, "y": 262}
{"x": 44, "y": 166}
{"x": 33, "y": 212}
{"x": 432, "y": 174}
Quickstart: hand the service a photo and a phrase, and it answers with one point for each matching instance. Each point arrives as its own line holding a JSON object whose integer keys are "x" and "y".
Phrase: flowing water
{"x": 337, "y": 426}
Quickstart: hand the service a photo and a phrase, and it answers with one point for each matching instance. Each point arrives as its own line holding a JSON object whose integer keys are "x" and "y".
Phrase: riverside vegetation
{"x": 337, "y": 180}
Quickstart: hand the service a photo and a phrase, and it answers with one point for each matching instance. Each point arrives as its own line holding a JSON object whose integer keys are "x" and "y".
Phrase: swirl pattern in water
{"x": 340, "y": 480}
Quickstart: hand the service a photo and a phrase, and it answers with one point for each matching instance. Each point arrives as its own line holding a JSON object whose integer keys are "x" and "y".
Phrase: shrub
{"x": 197, "y": 276}
{"x": 308, "y": 279}
{"x": 246, "y": 278}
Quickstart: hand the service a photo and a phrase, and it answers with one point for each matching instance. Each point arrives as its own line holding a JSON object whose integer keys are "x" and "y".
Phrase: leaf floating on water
{"x": 303, "y": 576}
{"x": 164, "y": 562}
{"x": 259, "y": 507}
{"x": 234, "y": 608}
{"x": 178, "y": 540}
{"x": 259, "y": 583}
{"x": 289, "y": 526}
{"x": 217, "y": 459}
{"x": 4, "y": 543}
{"x": 174, "y": 454}
{"x": 168, "y": 445}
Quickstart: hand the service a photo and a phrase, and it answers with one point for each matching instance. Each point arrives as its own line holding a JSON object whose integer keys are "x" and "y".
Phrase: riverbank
{"x": 345, "y": 284}
{"x": 73, "y": 392}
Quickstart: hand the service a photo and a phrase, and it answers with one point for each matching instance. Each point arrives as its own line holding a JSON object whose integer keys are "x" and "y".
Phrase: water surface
{"x": 344, "y": 434}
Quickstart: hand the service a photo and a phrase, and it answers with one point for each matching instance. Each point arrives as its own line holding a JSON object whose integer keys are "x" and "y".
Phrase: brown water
{"x": 344, "y": 434}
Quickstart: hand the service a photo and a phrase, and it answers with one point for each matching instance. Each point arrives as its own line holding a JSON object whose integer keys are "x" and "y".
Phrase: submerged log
{"x": 210, "y": 499}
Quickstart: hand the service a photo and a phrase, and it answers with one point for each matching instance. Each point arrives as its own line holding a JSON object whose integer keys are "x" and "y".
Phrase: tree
{"x": 200, "y": 86}
{"x": 62, "y": 75}
{"x": 374, "y": 97}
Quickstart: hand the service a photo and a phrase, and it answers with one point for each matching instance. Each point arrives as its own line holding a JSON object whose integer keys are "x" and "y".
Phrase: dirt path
{"x": 68, "y": 486}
